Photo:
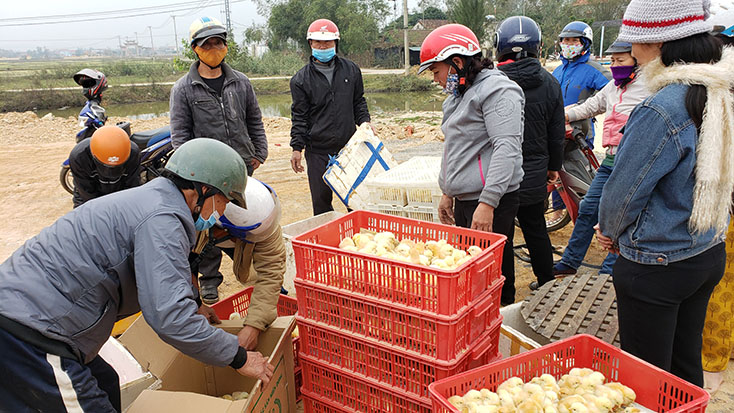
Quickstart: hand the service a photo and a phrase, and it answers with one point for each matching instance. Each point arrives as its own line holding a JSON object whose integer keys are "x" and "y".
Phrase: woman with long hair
{"x": 665, "y": 207}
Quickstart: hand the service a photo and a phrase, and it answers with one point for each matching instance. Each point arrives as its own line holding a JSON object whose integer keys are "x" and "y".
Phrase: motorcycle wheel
{"x": 551, "y": 223}
{"x": 67, "y": 180}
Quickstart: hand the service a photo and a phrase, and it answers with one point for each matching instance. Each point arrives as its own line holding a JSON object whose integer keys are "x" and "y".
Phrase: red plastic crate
{"x": 240, "y": 302}
{"x": 439, "y": 337}
{"x": 444, "y": 292}
{"x": 382, "y": 363}
{"x": 656, "y": 389}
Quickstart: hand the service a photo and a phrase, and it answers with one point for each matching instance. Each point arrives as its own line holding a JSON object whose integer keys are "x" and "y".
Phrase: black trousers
{"x": 321, "y": 194}
{"x": 532, "y": 224}
{"x": 502, "y": 223}
{"x": 662, "y": 310}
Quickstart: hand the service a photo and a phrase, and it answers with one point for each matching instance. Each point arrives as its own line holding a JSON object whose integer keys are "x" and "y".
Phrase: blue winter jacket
{"x": 647, "y": 202}
{"x": 580, "y": 78}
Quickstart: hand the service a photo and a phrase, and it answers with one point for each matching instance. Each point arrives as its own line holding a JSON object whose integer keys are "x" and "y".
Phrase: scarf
{"x": 714, "y": 171}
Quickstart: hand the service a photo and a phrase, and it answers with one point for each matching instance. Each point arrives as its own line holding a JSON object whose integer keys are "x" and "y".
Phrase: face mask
{"x": 324, "y": 55}
{"x": 202, "y": 224}
{"x": 620, "y": 73}
{"x": 569, "y": 51}
{"x": 211, "y": 57}
{"x": 452, "y": 85}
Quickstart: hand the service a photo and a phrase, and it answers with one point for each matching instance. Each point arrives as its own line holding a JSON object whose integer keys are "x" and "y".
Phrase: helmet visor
{"x": 109, "y": 174}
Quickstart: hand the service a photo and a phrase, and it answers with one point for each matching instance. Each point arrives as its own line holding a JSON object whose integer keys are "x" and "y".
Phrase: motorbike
{"x": 155, "y": 146}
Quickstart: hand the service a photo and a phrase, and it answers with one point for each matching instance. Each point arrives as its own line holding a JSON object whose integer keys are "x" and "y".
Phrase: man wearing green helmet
{"x": 116, "y": 255}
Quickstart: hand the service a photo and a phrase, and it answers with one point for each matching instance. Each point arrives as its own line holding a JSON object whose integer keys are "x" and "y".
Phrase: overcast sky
{"x": 104, "y": 33}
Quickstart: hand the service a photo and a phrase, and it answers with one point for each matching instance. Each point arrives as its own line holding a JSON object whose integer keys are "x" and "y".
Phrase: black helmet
{"x": 619, "y": 47}
{"x": 93, "y": 81}
{"x": 517, "y": 37}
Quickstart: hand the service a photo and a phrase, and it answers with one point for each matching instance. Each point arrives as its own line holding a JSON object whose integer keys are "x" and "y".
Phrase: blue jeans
{"x": 583, "y": 230}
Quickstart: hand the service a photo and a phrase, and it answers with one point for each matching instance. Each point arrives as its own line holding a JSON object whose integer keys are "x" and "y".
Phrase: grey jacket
{"x": 483, "y": 130}
{"x": 234, "y": 118}
{"x": 111, "y": 257}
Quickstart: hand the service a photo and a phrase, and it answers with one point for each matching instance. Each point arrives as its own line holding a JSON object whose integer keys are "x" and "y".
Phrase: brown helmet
{"x": 110, "y": 146}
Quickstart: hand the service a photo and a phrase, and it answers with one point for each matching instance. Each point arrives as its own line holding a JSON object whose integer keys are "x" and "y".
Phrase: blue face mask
{"x": 452, "y": 85}
{"x": 202, "y": 224}
{"x": 325, "y": 55}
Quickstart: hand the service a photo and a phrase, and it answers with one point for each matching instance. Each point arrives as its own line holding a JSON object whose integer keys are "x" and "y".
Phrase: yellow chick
{"x": 580, "y": 371}
{"x": 529, "y": 406}
{"x": 449, "y": 260}
{"x": 566, "y": 403}
{"x": 474, "y": 250}
{"x": 227, "y": 397}
{"x": 361, "y": 240}
{"x": 598, "y": 403}
{"x": 235, "y": 316}
{"x": 628, "y": 394}
{"x": 439, "y": 263}
{"x": 463, "y": 260}
{"x": 547, "y": 382}
{"x": 346, "y": 242}
{"x": 472, "y": 396}
{"x": 507, "y": 404}
{"x": 403, "y": 249}
{"x": 631, "y": 409}
{"x": 615, "y": 396}
{"x": 490, "y": 397}
{"x": 533, "y": 392}
{"x": 459, "y": 254}
{"x": 590, "y": 381}
{"x": 568, "y": 384}
{"x": 550, "y": 409}
{"x": 445, "y": 251}
{"x": 512, "y": 385}
{"x": 369, "y": 248}
{"x": 457, "y": 401}
{"x": 350, "y": 248}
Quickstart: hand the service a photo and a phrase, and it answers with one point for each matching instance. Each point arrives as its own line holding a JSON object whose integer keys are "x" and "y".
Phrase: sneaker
{"x": 534, "y": 286}
{"x": 561, "y": 269}
{"x": 209, "y": 294}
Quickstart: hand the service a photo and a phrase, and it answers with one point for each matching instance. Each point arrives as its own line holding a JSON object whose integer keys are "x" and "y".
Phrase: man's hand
{"x": 255, "y": 163}
{"x": 446, "y": 210}
{"x": 552, "y": 176}
{"x": 296, "y": 162}
{"x": 605, "y": 241}
{"x": 248, "y": 337}
{"x": 371, "y": 127}
{"x": 483, "y": 217}
{"x": 209, "y": 314}
{"x": 258, "y": 367}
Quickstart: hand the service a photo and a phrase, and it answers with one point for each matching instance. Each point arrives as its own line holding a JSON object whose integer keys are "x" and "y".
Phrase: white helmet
{"x": 261, "y": 217}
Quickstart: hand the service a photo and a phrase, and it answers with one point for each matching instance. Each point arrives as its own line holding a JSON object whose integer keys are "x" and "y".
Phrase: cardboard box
{"x": 189, "y": 386}
{"x": 133, "y": 379}
{"x": 515, "y": 335}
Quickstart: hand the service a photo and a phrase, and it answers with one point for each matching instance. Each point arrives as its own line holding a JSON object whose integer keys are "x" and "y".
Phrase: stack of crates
{"x": 408, "y": 190}
{"x": 376, "y": 332}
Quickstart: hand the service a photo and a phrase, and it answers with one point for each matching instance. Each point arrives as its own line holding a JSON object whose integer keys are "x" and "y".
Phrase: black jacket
{"x": 325, "y": 116}
{"x": 87, "y": 184}
{"x": 542, "y": 146}
{"x": 233, "y": 118}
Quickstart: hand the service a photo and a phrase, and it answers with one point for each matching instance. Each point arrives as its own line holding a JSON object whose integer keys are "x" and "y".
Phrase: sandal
{"x": 209, "y": 294}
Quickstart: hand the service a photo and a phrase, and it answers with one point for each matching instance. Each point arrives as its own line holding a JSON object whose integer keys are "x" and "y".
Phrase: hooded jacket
{"x": 324, "y": 114}
{"x": 542, "y": 145}
{"x": 233, "y": 118}
{"x": 580, "y": 78}
{"x": 483, "y": 129}
{"x": 110, "y": 258}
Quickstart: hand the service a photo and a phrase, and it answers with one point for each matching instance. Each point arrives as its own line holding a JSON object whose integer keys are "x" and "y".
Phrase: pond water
{"x": 278, "y": 105}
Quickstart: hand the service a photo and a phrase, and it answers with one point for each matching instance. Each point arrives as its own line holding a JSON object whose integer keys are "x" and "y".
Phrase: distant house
{"x": 429, "y": 24}
{"x": 389, "y": 51}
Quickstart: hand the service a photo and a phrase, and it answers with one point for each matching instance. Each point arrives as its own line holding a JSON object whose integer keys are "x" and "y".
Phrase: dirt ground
{"x": 34, "y": 148}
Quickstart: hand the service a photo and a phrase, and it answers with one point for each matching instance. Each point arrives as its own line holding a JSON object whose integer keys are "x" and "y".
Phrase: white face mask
{"x": 569, "y": 51}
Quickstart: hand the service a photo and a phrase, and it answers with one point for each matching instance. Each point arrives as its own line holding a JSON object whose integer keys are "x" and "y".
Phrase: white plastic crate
{"x": 412, "y": 183}
{"x": 395, "y": 210}
{"x": 422, "y": 213}
{"x": 363, "y": 157}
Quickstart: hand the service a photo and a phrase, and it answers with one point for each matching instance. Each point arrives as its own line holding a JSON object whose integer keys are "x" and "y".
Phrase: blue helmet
{"x": 578, "y": 29}
{"x": 517, "y": 37}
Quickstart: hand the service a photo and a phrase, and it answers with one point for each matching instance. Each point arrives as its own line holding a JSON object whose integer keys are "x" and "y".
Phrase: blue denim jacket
{"x": 647, "y": 201}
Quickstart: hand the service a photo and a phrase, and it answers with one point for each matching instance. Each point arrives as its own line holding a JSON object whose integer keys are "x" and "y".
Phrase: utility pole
{"x": 227, "y": 17}
{"x": 137, "y": 50}
{"x": 601, "y": 44}
{"x": 175, "y": 33}
{"x": 405, "y": 37}
{"x": 119, "y": 43}
{"x": 152, "y": 47}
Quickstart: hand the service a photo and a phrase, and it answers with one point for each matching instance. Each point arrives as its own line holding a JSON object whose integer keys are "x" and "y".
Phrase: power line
{"x": 123, "y": 11}
{"x": 98, "y": 18}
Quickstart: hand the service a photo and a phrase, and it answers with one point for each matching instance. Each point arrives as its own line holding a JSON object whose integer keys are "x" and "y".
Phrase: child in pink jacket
{"x": 617, "y": 99}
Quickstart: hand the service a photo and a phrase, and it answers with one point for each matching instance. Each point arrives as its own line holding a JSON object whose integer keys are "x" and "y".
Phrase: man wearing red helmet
{"x": 328, "y": 103}
{"x": 481, "y": 169}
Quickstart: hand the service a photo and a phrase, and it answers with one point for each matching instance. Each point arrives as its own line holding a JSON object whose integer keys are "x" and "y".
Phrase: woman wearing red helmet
{"x": 482, "y": 124}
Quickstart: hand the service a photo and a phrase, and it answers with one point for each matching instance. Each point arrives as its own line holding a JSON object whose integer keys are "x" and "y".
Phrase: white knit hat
{"x": 652, "y": 21}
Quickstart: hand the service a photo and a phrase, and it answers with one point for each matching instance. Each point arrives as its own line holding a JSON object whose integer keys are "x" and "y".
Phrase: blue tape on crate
{"x": 365, "y": 171}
